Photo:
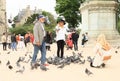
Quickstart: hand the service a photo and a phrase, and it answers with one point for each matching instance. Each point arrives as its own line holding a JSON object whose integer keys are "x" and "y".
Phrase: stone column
{"x": 99, "y": 17}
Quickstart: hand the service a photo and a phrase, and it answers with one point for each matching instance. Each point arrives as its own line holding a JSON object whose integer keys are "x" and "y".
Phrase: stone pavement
{"x": 73, "y": 72}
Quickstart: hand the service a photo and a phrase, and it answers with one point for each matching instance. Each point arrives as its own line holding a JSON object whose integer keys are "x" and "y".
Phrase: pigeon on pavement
{"x": 21, "y": 70}
{"x": 88, "y": 72}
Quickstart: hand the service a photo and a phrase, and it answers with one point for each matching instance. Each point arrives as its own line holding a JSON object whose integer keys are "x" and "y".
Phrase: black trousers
{"x": 60, "y": 48}
{"x": 4, "y": 45}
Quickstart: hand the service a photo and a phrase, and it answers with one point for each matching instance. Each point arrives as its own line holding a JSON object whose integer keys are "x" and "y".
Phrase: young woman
{"x": 60, "y": 37}
{"x": 102, "y": 51}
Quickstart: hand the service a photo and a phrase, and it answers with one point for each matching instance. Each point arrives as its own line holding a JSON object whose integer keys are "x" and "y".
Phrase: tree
{"x": 31, "y": 19}
{"x": 118, "y": 17}
{"x": 28, "y": 25}
{"x": 70, "y": 10}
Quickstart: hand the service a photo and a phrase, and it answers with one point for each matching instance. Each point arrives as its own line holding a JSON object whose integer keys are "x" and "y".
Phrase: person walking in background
{"x": 9, "y": 41}
{"x": 75, "y": 37}
{"x": 4, "y": 41}
{"x": 48, "y": 40}
{"x": 103, "y": 52}
{"x": 25, "y": 40}
{"x": 13, "y": 42}
{"x": 69, "y": 42}
{"x": 86, "y": 37}
{"x": 39, "y": 41}
{"x": 28, "y": 40}
{"x": 83, "y": 40}
{"x": 60, "y": 37}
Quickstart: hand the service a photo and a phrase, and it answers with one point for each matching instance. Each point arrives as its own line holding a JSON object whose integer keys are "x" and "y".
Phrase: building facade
{"x": 3, "y": 26}
{"x": 24, "y": 14}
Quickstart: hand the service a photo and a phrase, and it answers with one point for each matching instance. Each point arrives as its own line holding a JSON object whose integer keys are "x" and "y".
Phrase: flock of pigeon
{"x": 60, "y": 63}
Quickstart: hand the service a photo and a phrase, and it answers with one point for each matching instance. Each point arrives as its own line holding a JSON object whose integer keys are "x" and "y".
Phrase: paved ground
{"x": 73, "y": 72}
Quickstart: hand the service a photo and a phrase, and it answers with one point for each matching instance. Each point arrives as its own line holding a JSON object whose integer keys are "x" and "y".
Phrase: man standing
{"x": 39, "y": 41}
{"x": 75, "y": 37}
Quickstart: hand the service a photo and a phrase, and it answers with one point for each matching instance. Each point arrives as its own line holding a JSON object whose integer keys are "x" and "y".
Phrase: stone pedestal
{"x": 99, "y": 17}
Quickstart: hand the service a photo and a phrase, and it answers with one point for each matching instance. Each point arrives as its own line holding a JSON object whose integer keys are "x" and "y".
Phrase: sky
{"x": 14, "y": 6}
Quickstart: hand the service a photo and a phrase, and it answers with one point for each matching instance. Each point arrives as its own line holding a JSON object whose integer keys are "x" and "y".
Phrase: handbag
{"x": 106, "y": 58}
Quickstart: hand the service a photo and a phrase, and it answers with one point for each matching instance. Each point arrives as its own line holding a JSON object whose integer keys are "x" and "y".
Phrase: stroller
{"x": 69, "y": 42}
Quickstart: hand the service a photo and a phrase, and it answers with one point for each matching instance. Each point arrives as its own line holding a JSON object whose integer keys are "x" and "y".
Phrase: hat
{"x": 41, "y": 16}
{"x": 60, "y": 20}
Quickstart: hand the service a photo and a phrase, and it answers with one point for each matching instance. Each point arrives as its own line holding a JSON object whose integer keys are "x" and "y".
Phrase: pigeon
{"x": 61, "y": 66}
{"x": 88, "y": 72}
{"x": 21, "y": 70}
{"x": 116, "y": 51}
{"x": 8, "y": 63}
{"x": 10, "y": 67}
{"x": 50, "y": 60}
{"x": 8, "y": 52}
{"x": 36, "y": 65}
{"x": 26, "y": 61}
{"x": 73, "y": 53}
{"x": 89, "y": 59}
{"x": 43, "y": 68}
{"x": 118, "y": 47}
{"x": 80, "y": 55}
{"x": 18, "y": 64}
{"x": 0, "y": 62}
{"x": 21, "y": 59}
{"x": 30, "y": 56}
{"x": 82, "y": 61}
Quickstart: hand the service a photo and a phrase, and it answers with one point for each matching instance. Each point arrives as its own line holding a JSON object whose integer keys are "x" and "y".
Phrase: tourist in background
{"x": 13, "y": 42}
{"x": 83, "y": 40}
{"x": 48, "y": 40}
{"x": 28, "y": 40}
{"x": 4, "y": 41}
{"x": 9, "y": 41}
{"x": 75, "y": 37}
{"x": 86, "y": 37}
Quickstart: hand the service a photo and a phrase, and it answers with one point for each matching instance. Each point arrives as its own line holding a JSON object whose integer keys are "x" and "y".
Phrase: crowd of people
{"x": 41, "y": 40}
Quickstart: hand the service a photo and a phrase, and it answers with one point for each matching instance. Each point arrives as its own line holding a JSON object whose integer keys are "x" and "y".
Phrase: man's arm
{"x": 36, "y": 34}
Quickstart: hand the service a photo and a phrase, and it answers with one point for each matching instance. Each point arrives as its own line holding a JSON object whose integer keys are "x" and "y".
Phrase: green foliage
{"x": 118, "y": 28}
{"x": 51, "y": 26}
{"x": 70, "y": 10}
{"x": 118, "y": 18}
{"x": 28, "y": 25}
{"x": 31, "y": 19}
{"x": 22, "y": 29}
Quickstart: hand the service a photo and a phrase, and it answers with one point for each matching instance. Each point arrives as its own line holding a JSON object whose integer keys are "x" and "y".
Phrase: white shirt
{"x": 60, "y": 33}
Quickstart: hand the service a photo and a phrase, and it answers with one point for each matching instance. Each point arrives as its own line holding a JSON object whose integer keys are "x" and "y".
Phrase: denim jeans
{"x": 14, "y": 45}
{"x": 42, "y": 48}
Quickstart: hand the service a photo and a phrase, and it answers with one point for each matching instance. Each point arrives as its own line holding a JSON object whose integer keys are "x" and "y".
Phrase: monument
{"x": 3, "y": 17}
{"x": 99, "y": 16}
{"x": 22, "y": 16}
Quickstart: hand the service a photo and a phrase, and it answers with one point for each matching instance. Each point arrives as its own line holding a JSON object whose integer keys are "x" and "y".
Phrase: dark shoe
{"x": 103, "y": 65}
{"x": 91, "y": 64}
